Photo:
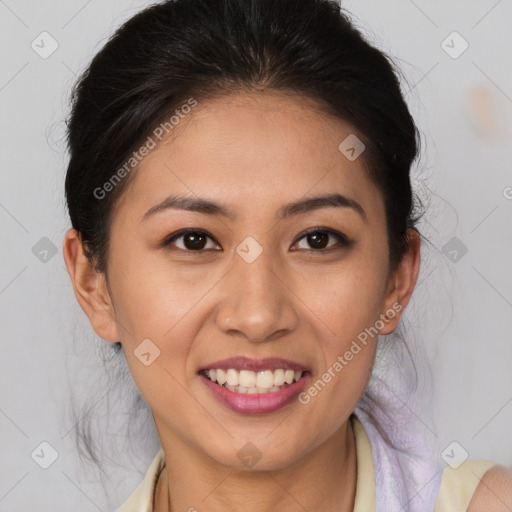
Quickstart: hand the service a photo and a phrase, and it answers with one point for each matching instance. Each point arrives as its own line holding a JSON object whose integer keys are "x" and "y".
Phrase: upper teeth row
{"x": 264, "y": 379}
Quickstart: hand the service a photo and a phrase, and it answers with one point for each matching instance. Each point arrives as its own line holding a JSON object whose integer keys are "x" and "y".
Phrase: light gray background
{"x": 461, "y": 313}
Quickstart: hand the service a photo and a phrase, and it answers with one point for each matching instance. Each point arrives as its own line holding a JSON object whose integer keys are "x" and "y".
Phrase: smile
{"x": 251, "y": 382}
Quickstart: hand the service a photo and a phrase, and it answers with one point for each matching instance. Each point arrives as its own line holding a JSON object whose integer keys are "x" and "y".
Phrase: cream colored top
{"x": 457, "y": 485}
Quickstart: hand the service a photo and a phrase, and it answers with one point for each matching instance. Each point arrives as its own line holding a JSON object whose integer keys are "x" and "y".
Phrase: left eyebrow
{"x": 301, "y": 206}
{"x": 315, "y": 203}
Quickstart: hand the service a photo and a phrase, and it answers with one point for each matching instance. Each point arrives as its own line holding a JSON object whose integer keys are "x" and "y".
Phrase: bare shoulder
{"x": 494, "y": 492}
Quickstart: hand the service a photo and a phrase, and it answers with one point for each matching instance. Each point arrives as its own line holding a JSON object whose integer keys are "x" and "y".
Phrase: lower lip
{"x": 258, "y": 403}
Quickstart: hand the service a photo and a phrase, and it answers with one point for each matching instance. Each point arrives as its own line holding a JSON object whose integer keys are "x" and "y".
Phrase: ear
{"x": 401, "y": 284}
{"x": 90, "y": 288}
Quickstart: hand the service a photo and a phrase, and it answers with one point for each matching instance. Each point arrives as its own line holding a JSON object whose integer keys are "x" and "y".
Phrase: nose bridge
{"x": 257, "y": 303}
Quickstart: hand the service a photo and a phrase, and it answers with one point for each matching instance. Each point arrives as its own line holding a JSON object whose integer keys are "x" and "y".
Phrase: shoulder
{"x": 475, "y": 486}
{"x": 494, "y": 491}
{"x": 141, "y": 500}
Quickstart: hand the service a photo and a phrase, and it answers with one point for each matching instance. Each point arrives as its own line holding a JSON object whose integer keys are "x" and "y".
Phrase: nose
{"x": 258, "y": 303}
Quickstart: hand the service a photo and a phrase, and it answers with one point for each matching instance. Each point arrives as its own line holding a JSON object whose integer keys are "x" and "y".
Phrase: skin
{"x": 494, "y": 492}
{"x": 253, "y": 152}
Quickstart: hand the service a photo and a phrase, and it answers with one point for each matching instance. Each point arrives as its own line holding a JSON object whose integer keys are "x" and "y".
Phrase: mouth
{"x": 250, "y": 386}
{"x": 249, "y": 382}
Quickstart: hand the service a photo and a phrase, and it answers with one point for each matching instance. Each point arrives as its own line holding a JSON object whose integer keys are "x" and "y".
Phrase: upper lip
{"x": 256, "y": 365}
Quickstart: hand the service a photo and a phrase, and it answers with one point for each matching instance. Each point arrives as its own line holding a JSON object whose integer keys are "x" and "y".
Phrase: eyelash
{"x": 342, "y": 239}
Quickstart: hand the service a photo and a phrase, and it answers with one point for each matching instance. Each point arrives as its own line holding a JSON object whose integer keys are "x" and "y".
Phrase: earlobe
{"x": 90, "y": 288}
{"x": 402, "y": 282}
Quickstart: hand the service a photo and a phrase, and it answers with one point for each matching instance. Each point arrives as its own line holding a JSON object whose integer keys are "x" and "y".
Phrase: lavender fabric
{"x": 407, "y": 479}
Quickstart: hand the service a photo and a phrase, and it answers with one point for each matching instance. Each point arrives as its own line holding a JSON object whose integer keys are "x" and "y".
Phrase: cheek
{"x": 349, "y": 308}
{"x": 344, "y": 299}
{"x": 164, "y": 302}
{"x": 345, "y": 304}
{"x": 152, "y": 295}
{"x": 152, "y": 309}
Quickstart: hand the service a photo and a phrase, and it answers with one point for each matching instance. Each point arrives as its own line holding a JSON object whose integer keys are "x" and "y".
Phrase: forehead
{"x": 253, "y": 150}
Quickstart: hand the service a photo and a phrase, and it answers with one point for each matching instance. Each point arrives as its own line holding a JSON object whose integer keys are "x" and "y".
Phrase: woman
{"x": 244, "y": 230}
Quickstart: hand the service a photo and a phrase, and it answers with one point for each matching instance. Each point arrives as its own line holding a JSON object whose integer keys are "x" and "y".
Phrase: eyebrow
{"x": 301, "y": 206}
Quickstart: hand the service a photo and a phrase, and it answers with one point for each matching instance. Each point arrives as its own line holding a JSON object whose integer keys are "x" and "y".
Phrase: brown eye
{"x": 191, "y": 240}
{"x": 319, "y": 239}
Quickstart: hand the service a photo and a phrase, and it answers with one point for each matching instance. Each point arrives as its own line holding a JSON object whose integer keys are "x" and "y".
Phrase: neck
{"x": 325, "y": 479}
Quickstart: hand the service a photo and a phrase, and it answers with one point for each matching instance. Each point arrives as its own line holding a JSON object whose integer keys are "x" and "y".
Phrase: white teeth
{"x": 247, "y": 378}
{"x": 249, "y": 382}
{"x": 221, "y": 377}
{"x": 232, "y": 377}
{"x": 278, "y": 377}
{"x": 265, "y": 379}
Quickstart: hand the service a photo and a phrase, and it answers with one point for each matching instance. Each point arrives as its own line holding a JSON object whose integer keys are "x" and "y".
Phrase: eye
{"x": 197, "y": 240}
{"x": 318, "y": 239}
{"x": 193, "y": 240}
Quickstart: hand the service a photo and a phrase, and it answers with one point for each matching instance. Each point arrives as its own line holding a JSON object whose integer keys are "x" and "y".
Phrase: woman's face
{"x": 252, "y": 285}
